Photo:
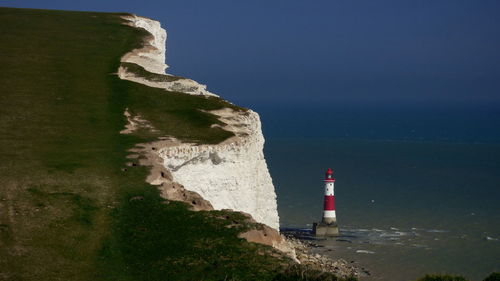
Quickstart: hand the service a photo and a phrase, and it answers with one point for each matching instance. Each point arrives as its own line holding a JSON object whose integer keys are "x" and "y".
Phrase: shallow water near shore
{"x": 404, "y": 208}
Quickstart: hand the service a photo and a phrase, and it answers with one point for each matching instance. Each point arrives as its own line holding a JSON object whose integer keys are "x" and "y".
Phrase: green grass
{"x": 302, "y": 273}
{"x": 67, "y": 209}
{"x": 158, "y": 239}
{"x": 494, "y": 276}
{"x": 141, "y": 72}
{"x": 177, "y": 114}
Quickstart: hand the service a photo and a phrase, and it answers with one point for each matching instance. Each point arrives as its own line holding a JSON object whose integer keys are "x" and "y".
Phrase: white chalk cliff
{"x": 152, "y": 58}
{"x": 152, "y": 55}
{"x": 230, "y": 175}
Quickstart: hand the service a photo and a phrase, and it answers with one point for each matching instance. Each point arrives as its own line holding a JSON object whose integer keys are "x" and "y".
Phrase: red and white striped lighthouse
{"x": 328, "y": 225}
{"x": 329, "y": 204}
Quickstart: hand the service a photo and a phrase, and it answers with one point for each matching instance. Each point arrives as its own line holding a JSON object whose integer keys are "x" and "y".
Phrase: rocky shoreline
{"x": 305, "y": 246}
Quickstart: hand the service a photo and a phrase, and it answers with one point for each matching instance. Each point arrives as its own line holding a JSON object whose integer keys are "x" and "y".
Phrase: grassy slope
{"x": 66, "y": 211}
{"x": 140, "y": 71}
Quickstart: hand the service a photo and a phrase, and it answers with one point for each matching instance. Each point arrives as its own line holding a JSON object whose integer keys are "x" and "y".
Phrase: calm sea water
{"x": 406, "y": 207}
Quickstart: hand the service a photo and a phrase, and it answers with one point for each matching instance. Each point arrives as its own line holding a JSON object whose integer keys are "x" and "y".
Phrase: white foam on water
{"x": 436, "y": 230}
{"x": 388, "y": 234}
{"x": 364, "y": 252}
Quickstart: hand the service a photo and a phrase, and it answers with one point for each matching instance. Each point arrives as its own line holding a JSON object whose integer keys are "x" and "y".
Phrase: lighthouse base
{"x": 323, "y": 229}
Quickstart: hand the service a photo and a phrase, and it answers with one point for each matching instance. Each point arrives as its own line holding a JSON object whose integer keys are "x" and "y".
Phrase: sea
{"x": 417, "y": 188}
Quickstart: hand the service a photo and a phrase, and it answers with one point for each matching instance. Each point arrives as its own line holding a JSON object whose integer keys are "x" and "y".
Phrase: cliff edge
{"x": 232, "y": 174}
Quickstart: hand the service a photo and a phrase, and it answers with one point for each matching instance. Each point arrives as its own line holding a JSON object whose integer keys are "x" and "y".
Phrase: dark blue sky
{"x": 327, "y": 52}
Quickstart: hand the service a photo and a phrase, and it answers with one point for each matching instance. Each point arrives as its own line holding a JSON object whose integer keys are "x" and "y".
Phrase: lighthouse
{"x": 328, "y": 225}
{"x": 329, "y": 205}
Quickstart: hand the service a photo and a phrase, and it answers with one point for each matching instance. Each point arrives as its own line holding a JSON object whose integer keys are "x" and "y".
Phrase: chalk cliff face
{"x": 152, "y": 58}
{"x": 230, "y": 175}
